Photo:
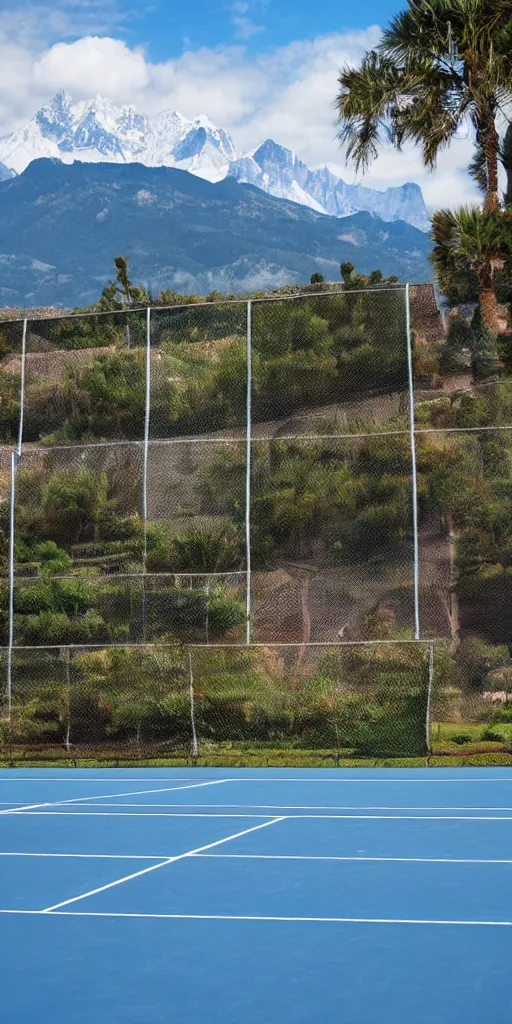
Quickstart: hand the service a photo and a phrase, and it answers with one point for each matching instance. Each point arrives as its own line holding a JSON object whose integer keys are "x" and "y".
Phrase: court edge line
{"x": 342, "y": 817}
{"x": 234, "y": 917}
{"x": 155, "y": 867}
{"x": 88, "y": 856}
{"x": 150, "y": 814}
{"x": 138, "y": 792}
{"x": 261, "y": 856}
{"x": 82, "y": 802}
{"x": 400, "y": 860}
{"x": 26, "y": 807}
{"x": 71, "y": 778}
{"x": 236, "y": 778}
{"x": 107, "y": 796}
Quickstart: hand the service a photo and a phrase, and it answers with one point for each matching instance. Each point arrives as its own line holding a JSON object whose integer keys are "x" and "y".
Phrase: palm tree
{"x": 475, "y": 239}
{"x": 440, "y": 63}
{"x": 506, "y": 159}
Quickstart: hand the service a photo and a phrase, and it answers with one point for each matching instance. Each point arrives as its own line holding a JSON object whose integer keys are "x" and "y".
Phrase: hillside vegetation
{"x": 330, "y": 517}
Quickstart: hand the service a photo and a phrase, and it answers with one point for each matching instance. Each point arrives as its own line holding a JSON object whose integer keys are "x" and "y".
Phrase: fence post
{"x": 429, "y": 693}
{"x": 412, "y": 436}
{"x": 22, "y": 385}
{"x": 146, "y": 431}
{"x": 195, "y": 745}
{"x": 14, "y": 463}
{"x": 15, "y": 458}
{"x": 147, "y": 409}
{"x": 248, "y": 460}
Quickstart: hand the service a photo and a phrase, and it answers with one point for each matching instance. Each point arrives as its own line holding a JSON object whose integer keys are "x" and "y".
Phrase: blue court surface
{"x": 270, "y": 896}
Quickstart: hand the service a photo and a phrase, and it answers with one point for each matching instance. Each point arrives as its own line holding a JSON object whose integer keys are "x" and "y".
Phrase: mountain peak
{"x": 203, "y": 121}
{"x": 96, "y": 130}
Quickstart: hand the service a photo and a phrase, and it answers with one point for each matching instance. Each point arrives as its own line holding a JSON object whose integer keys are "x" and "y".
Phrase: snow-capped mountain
{"x": 280, "y": 172}
{"x": 95, "y": 131}
{"x": 5, "y": 173}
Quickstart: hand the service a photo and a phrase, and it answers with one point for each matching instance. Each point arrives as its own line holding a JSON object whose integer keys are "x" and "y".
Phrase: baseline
{"x": 256, "y": 917}
{"x": 83, "y": 802}
{"x": 29, "y": 812}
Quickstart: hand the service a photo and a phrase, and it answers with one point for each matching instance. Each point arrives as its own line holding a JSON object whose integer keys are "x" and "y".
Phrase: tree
{"x": 317, "y": 278}
{"x": 73, "y": 503}
{"x": 346, "y": 271}
{"x": 474, "y": 239}
{"x": 506, "y": 159}
{"x": 376, "y": 277}
{"x": 122, "y": 293}
{"x": 440, "y": 63}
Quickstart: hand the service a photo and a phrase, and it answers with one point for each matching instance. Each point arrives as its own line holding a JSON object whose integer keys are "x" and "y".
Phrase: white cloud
{"x": 38, "y": 23}
{"x": 105, "y": 66}
{"x": 287, "y": 93}
{"x": 244, "y": 24}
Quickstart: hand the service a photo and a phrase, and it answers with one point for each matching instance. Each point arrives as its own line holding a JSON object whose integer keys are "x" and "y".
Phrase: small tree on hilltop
{"x": 121, "y": 292}
{"x": 346, "y": 271}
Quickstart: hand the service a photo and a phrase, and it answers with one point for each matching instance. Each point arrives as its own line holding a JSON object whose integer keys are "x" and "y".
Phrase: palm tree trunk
{"x": 489, "y": 308}
{"x": 507, "y": 164}
{"x": 491, "y": 150}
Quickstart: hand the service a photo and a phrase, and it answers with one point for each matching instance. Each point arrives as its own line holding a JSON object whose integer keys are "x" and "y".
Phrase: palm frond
{"x": 506, "y": 159}
{"x": 467, "y": 238}
{"x": 439, "y": 60}
{"x": 366, "y": 97}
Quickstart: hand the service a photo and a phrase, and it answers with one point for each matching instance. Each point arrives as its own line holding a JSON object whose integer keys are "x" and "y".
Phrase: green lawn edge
{"x": 266, "y": 760}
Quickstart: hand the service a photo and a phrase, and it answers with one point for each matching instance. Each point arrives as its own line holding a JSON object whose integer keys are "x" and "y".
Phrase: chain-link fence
{"x": 277, "y": 527}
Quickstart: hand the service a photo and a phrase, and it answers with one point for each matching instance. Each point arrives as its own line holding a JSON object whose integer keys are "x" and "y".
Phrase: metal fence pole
{"x": 22, "y": 385}
{"x": 429, "y": 693}
{"x": 248, "y": 461}
{"x": 146, "y": 432}
{"x": 147, "y": 409}
{"x": 14, "y": 463}
{"x": 412, "y": 436}
{"x": 15, "y": 458}
{"x": 195, "y": 745}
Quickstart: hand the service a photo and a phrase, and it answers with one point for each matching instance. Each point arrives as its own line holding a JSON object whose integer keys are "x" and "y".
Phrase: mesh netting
{"x": 210, "y": 701}
{"x": 276, "y": 525}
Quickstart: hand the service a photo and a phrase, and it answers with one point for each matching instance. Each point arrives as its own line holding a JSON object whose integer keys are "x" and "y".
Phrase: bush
{"x": 491, "y": 735}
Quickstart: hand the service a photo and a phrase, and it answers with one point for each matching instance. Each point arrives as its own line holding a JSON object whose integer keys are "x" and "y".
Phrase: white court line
{"x": 288, "y": 817}
{"x": 247, "y": 917}
{"x": 92, "y": 856}
{"x": 82, "y": 802}
{"x": 86, "y": 800}
{"x": 341, "y": 782}
{"x": 154, "y": 867}
{"x": 107, "y": 781}
{"x": 261, "y": 856}
{"x": 25, "y": 807}
{"x": 398, "y": 860}
{"x": 136, "y": 814}
{"x": 137, "y": 792}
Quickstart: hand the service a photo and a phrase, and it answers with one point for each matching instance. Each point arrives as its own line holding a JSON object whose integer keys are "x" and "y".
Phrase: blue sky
{"x": 167, "y": 27}
{"x": 258, "y": 68}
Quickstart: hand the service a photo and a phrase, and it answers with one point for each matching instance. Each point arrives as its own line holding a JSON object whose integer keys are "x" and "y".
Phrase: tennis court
{"x": 256, "y": 896}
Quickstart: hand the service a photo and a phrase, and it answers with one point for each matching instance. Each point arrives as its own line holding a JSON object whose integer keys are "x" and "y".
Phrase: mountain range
{"x": 62, "y": 224}
{"x": 96, "y": 131}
